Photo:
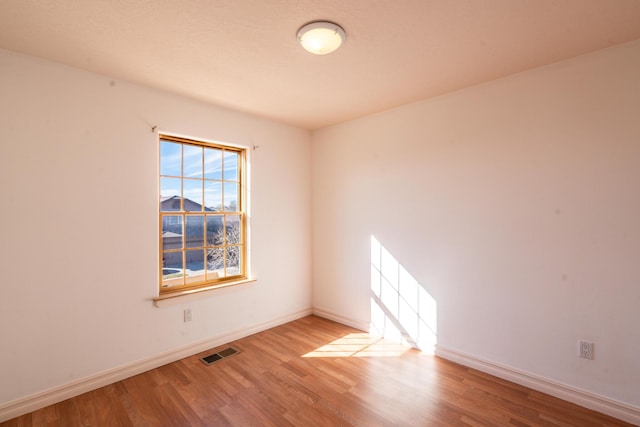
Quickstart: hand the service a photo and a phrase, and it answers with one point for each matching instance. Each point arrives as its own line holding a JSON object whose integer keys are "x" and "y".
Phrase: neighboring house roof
{"x": 172, "y": 203}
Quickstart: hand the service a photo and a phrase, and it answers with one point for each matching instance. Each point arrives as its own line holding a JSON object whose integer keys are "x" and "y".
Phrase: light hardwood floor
{"x": 314, "y": 372}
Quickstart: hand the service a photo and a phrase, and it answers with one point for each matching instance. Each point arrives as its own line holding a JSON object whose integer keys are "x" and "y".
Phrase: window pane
{"x": 171, "y": 232}
{"x": 195, "y": 266}
{"x": 214, "y": 230}
{"x": 212, "y": 163}
{"x": 192, "y": 195}
{"x": 213, "y": 196}
{"x": 215, "y": 262}
{"x": 230, "y": 166}
{"x": 172, "y": 269}
{"x": 194, "y": 231}
{"x": 201, "y": 219}
{"x": 230, "y": 196}
{"x": 192, "y": 162}
{"x": 170, "y": 191}
{"x": 170, "y": 158}
{"x": 233, "y": 229}
{"x": 233, "y": 261}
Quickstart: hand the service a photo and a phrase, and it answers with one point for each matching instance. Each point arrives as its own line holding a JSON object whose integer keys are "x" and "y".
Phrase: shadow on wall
{"x": 401, "y": 309}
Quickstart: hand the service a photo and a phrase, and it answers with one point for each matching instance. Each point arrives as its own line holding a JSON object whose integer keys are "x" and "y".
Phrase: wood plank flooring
{"x": 314, "y": 372}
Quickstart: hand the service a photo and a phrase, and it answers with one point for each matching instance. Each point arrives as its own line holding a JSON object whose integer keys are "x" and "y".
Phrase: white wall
{"x": 515, "y": 204}
{"x": 79, "y": 246}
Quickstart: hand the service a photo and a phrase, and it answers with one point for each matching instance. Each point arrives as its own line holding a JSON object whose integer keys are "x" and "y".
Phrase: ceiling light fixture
{"x": 321, "y": 37}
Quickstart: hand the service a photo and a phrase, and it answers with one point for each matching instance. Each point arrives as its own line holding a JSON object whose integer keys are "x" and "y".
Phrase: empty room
{"x": 320, "y": 212}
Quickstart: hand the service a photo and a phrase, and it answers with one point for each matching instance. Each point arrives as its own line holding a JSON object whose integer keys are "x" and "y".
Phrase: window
{"x": 202, "y": 214}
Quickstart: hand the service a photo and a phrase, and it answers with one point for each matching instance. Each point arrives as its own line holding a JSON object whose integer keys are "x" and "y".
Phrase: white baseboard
{"x": 360, "y": 325}
{"x": 54, "y": 395}
{"x": 575, "y": 395}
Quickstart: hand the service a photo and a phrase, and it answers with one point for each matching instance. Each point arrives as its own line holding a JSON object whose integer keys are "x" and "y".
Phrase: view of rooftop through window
{"x": 201, "y": 213}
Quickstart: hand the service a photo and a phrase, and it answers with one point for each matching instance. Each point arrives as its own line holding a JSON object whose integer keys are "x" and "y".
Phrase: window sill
{"x": 192, "y": 294}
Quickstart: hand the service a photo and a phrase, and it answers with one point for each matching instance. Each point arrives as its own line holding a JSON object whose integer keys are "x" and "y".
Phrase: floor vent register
{"x": 216, "y": 357}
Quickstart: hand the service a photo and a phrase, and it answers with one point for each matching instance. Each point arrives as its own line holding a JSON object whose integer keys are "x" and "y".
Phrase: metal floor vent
{"x": 216, "y": 357}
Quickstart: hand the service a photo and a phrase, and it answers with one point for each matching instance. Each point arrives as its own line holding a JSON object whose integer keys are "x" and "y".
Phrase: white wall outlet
{"x": 586, "y": 350}
{"x": 187, "y": 315}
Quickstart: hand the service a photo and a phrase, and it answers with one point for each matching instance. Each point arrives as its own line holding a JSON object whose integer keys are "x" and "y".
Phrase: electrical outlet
{"x": 187, "y": 315}
{"x": 586, "y": 350}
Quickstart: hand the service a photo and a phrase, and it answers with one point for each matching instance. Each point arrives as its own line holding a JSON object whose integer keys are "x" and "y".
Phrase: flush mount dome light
{"x": 321, "y": 37}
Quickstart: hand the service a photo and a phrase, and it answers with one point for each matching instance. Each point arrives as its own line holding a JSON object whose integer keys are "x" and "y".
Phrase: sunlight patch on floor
{"x": 360, "y": 345}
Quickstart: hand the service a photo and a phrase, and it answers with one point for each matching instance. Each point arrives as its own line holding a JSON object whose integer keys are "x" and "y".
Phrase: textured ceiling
{"x": 243, "y": 54}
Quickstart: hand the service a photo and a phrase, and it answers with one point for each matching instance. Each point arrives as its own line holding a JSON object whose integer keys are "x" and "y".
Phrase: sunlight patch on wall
{"x": 401, "y": 309}
{"x": 359, "y": 345}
